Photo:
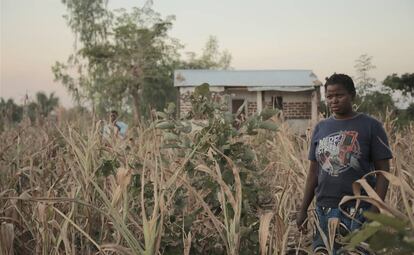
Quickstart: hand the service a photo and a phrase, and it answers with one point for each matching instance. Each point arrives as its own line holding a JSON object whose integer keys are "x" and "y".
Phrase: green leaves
{"x": 202, "y": 91}
{"x": 386, "y": 220}
{"x": 366, "y": 232}
{"x": 268, "y": 113}
{"x": 165, "y": 125}
{"x": 108, "y": 167}
{"x": 384, "y": 234}
{"x": 184, "y": 127}
{"x": 168, "y": 136}
{"x": 125, "y": 59}
{"x": 227, "y": 177}
{"x": 170, "y": 109}
{"x": 255, "y": 122}
{"x": 268, "y": 125}
{"x": 405, "y": 83}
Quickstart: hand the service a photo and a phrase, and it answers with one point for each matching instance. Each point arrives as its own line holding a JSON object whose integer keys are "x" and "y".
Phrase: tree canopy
{"x": 376, "y": 103}
{"x": 362, "y": 67}
{"x": 125, "y": 60}
{"x": 211, "y": 57}
{"x": 405, "y": 83}
{"x": 370, "y": 99}
{"x": 12, "y": 113}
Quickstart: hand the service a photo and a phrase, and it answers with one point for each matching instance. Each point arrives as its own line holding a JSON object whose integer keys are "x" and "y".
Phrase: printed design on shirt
{"x": 338, "y": 152}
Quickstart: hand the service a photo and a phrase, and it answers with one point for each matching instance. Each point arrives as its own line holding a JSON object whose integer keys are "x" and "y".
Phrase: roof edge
{"x": 244, "y": 70}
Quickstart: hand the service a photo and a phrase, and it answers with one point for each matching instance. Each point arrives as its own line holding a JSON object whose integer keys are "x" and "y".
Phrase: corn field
{"x": 167, "y": 188}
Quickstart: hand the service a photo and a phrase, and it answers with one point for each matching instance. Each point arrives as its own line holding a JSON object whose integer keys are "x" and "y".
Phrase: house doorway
{"x": 236, "y": 104}
{"x": 277, "y": 102}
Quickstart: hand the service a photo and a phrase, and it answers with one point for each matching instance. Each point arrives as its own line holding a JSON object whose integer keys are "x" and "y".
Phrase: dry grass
{"x": 55, "y": 199}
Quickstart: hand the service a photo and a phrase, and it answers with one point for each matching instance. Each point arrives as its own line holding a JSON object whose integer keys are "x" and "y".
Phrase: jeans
{"x": 347, "y": 224}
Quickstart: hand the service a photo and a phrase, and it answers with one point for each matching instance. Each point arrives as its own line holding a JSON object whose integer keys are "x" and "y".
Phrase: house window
{"x": 236, "y": 104}
{"x": 277, "y": 102}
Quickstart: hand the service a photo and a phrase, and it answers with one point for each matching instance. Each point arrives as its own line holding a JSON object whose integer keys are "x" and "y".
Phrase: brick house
{"x": 295, "y": 92}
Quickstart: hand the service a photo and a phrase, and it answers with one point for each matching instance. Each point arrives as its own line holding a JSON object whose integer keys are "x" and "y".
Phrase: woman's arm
{"x": 309, "y": 193}
{"x": 381, "y": 185}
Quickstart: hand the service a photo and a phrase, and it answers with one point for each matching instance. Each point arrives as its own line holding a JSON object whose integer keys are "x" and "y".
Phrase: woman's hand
{"x": 302, "y": 220}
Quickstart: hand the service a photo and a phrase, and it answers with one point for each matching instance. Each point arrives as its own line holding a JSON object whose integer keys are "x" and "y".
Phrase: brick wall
{"x": 297, "y": 110}
{"x": 185, "y": 103}
{"x": 268, "y": 104}
{"x": 251, "y": 108}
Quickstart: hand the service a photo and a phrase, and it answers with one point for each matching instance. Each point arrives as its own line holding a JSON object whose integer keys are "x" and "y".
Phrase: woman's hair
{"x": 343, "y": 80}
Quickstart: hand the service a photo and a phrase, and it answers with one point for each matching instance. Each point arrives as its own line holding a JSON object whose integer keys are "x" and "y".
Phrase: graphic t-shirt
{"x": 345, "y": 151}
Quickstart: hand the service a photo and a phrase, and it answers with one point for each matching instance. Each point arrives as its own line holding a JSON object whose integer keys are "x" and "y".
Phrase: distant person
{"x": 343, "y": 149}
{"x": 115, "y": 126}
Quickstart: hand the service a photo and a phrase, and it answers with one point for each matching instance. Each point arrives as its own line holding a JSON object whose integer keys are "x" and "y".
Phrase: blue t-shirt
{"x": 345, "y": 151}
{"x": 123, "y": 127}
{"x": 109, "y": 129}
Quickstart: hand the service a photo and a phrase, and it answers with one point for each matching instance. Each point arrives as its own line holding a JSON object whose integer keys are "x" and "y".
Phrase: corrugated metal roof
{"x": 282, "y": 88}
{"x": 248, "y": 78}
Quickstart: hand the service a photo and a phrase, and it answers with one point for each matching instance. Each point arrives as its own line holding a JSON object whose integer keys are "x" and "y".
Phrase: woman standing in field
{"x": 343, "y": 148}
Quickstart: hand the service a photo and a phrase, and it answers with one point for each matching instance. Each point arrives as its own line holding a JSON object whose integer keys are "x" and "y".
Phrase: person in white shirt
{"x": 115, "y": 126}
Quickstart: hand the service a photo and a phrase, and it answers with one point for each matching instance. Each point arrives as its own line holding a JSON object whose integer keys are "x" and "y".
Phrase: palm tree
{"x": 46, "y": 104}
{"x": 9, "y": 112}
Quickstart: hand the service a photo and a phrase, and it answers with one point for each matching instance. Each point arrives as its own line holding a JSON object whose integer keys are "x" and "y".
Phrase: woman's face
{"x": 339, "y": 99}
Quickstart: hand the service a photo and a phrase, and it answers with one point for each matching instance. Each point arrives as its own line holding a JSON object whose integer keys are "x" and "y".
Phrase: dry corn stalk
{"x": 6, "y": 238}
{"x": 264, "y": 230}
{"x": 332, "y": 226}
{"x": 123, "y": 178}
{"x": 187, "y": 243}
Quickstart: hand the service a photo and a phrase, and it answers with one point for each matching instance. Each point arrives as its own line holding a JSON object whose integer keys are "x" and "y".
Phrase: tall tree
{"x": 405, "y": 83}
{"x": 410, "y": 111}
{"x": 368, "y": 100}
{"x": 125, "y": 59}
{"x": 46, "y": 104}
{"x": 210, "y": 58}
{"x": 363, "y": 81}
{"x": 121, "y": 55}
{"x": 376, "y": 103}
{"x": 9, "y": 113}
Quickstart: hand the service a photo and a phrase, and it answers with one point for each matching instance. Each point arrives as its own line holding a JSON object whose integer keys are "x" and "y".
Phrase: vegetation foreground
{"x": 177, "y": 187}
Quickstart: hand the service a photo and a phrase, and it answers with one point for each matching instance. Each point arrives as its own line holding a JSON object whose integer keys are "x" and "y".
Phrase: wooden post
{"x": 259, "y": 102}
{"x": 314, "y": 107}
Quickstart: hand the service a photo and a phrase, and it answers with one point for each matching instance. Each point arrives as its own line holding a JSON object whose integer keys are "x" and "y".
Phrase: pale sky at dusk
{"x": 325, "y": 36}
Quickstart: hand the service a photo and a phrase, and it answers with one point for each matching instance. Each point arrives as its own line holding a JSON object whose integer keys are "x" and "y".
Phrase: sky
{"x": 325, "y": 36}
